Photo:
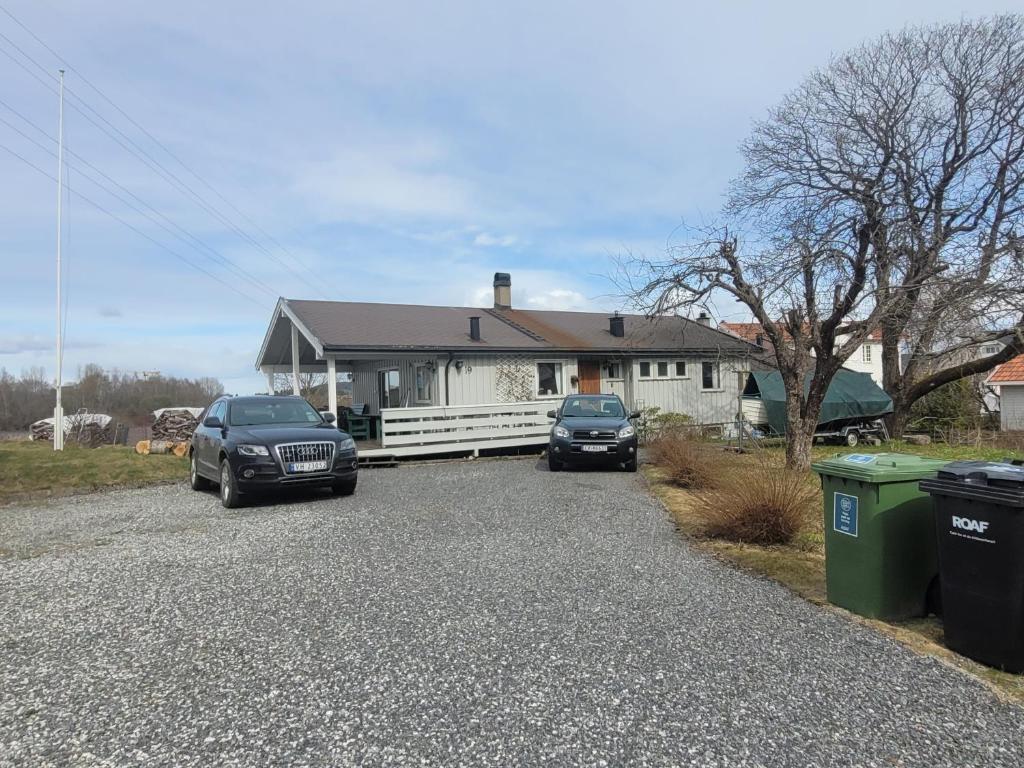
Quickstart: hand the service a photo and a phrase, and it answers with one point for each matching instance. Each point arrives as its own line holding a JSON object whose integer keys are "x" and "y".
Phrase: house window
{"x": 709, "y": 378}
{"x": 645, "y": 370}
{"x": 865, "y": 353}
{"x": 662, "y": 369}
{"x": 989, "y": 349}
{"x": 681, "y": 369}
{"x": 612, "y": 371}
{"x": 389, "y": 391}
{"x": 549, "y": 379}
{"x": 424, "y": 379}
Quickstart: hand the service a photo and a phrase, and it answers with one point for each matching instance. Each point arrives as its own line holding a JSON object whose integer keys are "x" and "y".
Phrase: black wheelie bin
{"x": 979, "y": 526}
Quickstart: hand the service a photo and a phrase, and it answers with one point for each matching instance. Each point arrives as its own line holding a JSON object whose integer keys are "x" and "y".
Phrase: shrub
{"x": 686, "y": 463}
{"x": 761, "y": 504}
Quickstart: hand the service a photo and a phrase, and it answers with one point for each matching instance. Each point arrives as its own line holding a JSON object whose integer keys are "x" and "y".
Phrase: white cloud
{"x": 386, "y": 180}
{"x": 15, "y": 344}
{"x": 558, "y": 298}
{"x": 486, "y": 239}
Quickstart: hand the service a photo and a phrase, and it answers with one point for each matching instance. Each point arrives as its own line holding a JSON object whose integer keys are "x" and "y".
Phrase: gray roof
{"x": 369, "y": 327}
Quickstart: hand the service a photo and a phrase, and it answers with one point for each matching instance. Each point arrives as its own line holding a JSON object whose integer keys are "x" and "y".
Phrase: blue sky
{"x": 385, "y": 151}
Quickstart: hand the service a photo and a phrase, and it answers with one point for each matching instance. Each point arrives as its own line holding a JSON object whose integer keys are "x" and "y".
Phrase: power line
{"x": 197, "y": 243}
{"x": 143, "y": 156}
{"x": 135, "y": 229}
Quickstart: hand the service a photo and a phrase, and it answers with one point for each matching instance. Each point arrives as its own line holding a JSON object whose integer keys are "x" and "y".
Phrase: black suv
{"x": 249, "y": 444}
{"x": 592, "y": 429}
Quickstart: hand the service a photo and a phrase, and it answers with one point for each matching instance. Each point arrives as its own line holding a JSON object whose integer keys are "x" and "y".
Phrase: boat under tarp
{"x": 851, "y": 397}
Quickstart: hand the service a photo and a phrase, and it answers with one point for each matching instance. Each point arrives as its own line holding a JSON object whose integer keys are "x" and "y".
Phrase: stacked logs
{"x": 89, "y": 430}
{"x": 174, "y": 425}
{"x": 42, "y": 430}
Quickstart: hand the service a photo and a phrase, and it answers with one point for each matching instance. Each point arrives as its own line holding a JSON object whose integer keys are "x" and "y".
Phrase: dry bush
{"x": 686, "y": 463}
{"x": 760, "y": 503}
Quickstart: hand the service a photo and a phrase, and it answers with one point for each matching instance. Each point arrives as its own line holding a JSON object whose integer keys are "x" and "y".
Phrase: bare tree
{"x": 917, "y": 139}
{"x": 310, "y": 385}
{"x": 803, "y": 287}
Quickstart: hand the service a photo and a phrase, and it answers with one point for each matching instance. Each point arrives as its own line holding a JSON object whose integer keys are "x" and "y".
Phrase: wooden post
{"x": 332, "y": 386}
{"x": 295, "y": 360}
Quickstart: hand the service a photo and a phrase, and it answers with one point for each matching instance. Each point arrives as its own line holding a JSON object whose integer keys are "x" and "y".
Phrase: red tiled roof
{"x": 1011, "y": 370}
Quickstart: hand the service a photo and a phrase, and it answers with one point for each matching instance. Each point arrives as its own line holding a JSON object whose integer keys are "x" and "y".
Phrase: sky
{"x": 394, "y": 152}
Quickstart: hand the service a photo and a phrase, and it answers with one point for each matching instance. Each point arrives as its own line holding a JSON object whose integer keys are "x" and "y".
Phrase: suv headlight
{"x": 253, "y": 450}
{"x": 561, "y": 431}
{"x": 348, "y": 444}
{"x": 626, "y": 431}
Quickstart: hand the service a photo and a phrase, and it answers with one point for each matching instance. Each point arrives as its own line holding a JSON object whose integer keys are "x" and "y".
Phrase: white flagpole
{"x": 58, "y": 411}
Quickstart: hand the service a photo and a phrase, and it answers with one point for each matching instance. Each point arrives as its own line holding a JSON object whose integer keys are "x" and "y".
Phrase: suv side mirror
{"x": 552, "y": 414}
{"x": 635, "y": 415}
{"x": 213, "y": 422}
{"x": 329, "y": 417}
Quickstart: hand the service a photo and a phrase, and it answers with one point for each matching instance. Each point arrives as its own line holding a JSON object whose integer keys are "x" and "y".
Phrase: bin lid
{"x": 1000, "y": 474}
{"x": 999, "y": 482}
{"x": 879, "y": 467}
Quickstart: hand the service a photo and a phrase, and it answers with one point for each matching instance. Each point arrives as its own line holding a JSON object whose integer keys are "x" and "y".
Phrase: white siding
{"x": 364, "y": 381}
{"x": 1011, "y": 406}
{"x": 685, "y": 395}
{"x": 872, "y": 366}
{"x": 487, "y": 379}
{"x": 499, "y": 379}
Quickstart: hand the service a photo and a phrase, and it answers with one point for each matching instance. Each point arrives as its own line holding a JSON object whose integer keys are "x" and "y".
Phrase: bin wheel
{"x": 852, "y": 438}
{"x": 933, "y": 597}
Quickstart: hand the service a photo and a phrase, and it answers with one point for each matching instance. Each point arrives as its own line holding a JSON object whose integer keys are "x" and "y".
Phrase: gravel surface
{"x": 479, "y": 613}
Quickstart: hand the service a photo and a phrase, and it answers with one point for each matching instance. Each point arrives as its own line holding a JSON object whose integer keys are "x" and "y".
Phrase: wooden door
{"x": 590, "y": 377}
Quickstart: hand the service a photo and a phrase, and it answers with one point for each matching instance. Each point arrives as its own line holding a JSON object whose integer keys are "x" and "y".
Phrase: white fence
{"x": 449, "y": 429}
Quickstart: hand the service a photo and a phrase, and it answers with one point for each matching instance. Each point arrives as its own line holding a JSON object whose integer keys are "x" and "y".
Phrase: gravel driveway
{"x": 477, "y": 613}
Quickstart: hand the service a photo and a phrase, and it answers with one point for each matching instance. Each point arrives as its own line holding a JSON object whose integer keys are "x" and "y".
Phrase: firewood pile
{"x": 175, "y": 424}
{"x": 89, "y": 430}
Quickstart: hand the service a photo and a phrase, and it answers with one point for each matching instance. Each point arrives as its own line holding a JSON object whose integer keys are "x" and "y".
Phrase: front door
{"x": 590, "y": 377}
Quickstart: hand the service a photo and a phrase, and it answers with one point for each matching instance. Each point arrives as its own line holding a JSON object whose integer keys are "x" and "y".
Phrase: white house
{"x": 414, "y": 356}
{"x": 1008, "y": 382}
{"x": 867, "y": 358}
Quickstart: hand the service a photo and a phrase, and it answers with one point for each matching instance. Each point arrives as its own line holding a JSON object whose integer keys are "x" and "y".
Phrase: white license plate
{"x": 307, "y": 466}
{"x": 595, "y": 449}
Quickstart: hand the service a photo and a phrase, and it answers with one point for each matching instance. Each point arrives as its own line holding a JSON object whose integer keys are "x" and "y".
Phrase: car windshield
{"x": 253, "y": 413}
{"x": 593, "y": 407}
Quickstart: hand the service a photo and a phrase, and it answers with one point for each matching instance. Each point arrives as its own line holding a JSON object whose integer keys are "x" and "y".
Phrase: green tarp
{"x": 850, "y": 396}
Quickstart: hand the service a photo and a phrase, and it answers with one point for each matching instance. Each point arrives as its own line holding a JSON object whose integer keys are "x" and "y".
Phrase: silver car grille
{"x": 290, "y": 453}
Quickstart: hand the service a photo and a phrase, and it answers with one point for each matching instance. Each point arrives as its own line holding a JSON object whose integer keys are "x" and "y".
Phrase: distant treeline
{"x": 128, "y": 397}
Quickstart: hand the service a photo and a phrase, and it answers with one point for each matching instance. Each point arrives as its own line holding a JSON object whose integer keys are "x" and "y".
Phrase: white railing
{"x": 466, "y": 427}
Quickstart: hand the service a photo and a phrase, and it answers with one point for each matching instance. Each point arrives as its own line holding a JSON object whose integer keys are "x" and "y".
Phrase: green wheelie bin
{"x": 880, "y": 552}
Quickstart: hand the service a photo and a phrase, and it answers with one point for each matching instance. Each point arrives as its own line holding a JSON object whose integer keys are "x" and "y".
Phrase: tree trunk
{"x": 799, "y": 432}
{"x": 899, "y": 418}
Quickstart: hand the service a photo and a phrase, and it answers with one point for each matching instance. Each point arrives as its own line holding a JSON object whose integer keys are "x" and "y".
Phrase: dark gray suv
{"x": 251, "y": 444}
{"x": 592, "y": 429}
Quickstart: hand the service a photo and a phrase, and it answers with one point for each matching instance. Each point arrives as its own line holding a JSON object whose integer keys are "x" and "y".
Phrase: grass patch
{"x": 800, "y": 565}
{"x": 31, "y": 471}
{"x": 982, "y": 452}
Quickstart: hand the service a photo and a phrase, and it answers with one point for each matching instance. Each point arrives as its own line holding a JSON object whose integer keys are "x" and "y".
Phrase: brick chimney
{"x": 502, "y": 290}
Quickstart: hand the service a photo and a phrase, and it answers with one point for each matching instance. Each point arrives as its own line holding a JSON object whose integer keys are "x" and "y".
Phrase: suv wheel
{"x": 631, "y": 465}
{"x": 197, "y": 481}
{"x": 229, "y": 495}
{"x": 553, "y": 464}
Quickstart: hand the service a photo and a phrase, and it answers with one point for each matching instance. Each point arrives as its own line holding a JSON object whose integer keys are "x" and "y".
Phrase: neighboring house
{"x": 1008, "y": 382}
{"x": 413, "y": 356}
{"x": 867, "y": 358}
